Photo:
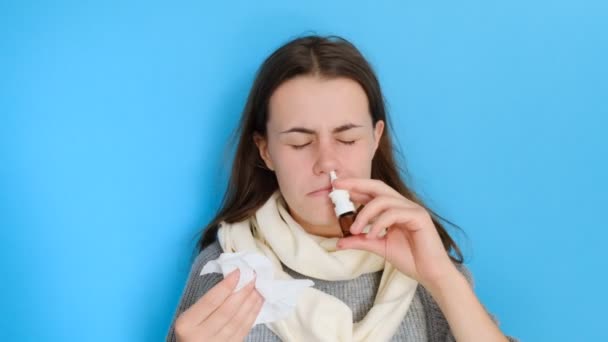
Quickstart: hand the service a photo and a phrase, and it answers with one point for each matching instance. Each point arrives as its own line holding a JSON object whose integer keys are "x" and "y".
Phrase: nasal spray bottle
{"x": 344, "y": 208}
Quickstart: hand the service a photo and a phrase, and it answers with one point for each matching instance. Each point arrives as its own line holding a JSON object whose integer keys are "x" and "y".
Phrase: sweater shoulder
{"x": 197, "y": 285}
{"x": 208, "y": 253}
{"x": 437, "y": 324}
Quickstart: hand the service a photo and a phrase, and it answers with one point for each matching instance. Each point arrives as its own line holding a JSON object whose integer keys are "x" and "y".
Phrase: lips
{"x": 320, "y": 190}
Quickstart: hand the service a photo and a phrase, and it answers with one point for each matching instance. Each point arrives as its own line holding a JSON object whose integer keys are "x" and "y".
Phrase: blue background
{"x": 114, "y": 118}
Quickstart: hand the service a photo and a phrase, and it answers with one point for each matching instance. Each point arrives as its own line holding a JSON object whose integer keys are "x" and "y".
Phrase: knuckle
{"x": 182, "y": 331}
{"x": 423, "y": 212}
{"x": 227, "y": 285}
{"x": 424, "y": 216}
{"x": 181, "y": 324}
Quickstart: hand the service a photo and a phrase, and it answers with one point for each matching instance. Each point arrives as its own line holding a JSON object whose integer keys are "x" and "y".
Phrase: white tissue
{"x": 280, "y": 296}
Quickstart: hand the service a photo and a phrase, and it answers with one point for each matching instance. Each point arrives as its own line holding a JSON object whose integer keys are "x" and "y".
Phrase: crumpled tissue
{"x": 280, "y": 296}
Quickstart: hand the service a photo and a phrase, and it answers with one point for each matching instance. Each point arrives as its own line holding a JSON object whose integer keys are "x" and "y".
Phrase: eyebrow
{"x": 310, "y": 131}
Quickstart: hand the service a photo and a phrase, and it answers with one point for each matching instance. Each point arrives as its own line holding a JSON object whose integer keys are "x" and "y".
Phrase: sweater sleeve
{"x": 196, "y": 285}
{"x": 437, "y": 324}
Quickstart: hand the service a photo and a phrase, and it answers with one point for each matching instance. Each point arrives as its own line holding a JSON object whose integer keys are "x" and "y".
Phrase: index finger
{"x": 211, "y": 300}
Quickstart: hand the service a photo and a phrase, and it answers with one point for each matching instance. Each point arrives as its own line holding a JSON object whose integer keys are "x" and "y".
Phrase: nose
{"x": 326, "y": 159}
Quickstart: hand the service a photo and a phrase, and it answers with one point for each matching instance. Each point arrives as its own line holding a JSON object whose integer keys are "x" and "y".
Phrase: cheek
{"x": 292, "y": 169}
{"x": 358, "y": 158}
{"x": 286, "y": 159}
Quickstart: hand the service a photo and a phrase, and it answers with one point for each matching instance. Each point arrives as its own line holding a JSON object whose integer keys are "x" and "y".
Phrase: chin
{"x": 315, "y": 213}
{"x": 323, "y": 218}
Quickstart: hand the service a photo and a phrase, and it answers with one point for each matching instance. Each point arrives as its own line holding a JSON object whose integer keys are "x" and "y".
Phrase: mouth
{"x": 320, "y": 192}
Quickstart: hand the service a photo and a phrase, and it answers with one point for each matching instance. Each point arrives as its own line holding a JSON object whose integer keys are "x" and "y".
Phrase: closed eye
{"x": 299, "y": 147}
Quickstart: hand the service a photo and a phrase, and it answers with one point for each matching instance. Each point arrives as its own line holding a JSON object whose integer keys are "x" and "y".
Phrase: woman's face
{"x": 317, "y": 125}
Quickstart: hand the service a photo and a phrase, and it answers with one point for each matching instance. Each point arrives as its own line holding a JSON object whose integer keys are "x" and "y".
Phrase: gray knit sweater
{"x": 424, "y": 320}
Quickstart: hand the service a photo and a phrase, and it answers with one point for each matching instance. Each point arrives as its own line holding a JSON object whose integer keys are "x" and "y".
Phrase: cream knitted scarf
{"x": 319, "y": 316}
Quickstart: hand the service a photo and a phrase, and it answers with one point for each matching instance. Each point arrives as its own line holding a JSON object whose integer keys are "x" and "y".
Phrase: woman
{"x": 316, "y": 107}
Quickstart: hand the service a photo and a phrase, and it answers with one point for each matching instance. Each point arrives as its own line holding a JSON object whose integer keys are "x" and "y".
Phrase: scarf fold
{"x": 319, "y": 316}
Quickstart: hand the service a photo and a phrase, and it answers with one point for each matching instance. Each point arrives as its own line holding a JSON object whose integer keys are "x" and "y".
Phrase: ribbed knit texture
{"x": 424, "y": 320}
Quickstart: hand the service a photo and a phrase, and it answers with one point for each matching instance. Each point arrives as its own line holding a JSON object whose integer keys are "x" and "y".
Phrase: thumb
{"x": 360, "y": 242}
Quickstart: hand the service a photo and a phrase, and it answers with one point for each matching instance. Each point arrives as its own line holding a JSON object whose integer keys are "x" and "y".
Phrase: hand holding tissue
{"x": 280, "y": 296}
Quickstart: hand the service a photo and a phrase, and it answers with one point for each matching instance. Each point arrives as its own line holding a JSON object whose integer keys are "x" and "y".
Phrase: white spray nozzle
{"x": 332, "y": 176}
{"x": 341, "y": 198}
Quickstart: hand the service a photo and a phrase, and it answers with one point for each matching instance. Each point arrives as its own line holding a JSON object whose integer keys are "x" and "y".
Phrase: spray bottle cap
{"x": 340, "y": 198}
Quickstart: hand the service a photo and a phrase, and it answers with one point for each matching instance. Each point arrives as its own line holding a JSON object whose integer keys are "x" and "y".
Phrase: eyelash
{"x": 299, "y": 147}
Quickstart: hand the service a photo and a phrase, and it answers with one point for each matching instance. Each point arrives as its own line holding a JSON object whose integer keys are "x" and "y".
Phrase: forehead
{"x": 315, "y": 102}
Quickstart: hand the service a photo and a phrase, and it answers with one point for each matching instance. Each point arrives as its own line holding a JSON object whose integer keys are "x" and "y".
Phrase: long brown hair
{"x": 251, "y": 183}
